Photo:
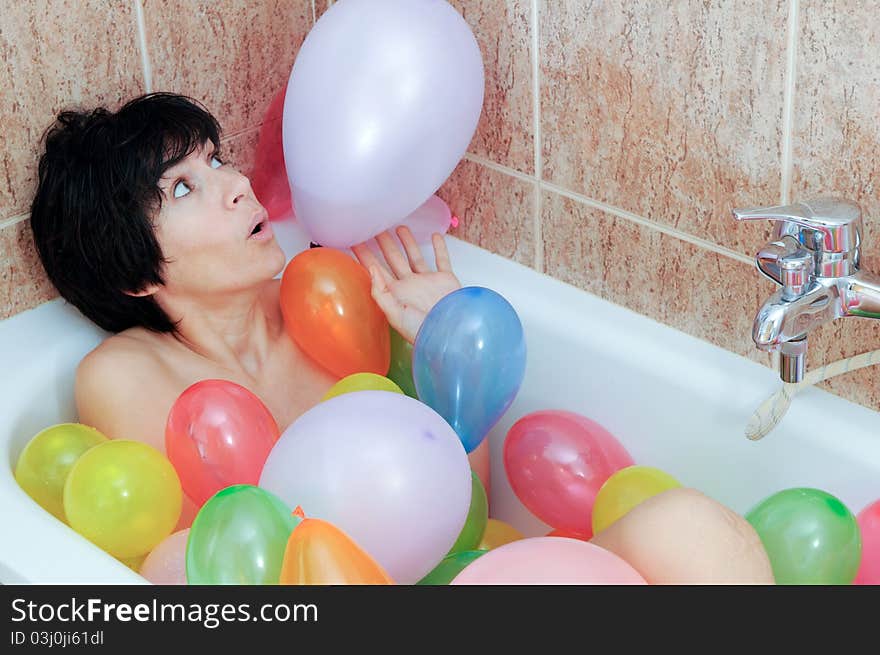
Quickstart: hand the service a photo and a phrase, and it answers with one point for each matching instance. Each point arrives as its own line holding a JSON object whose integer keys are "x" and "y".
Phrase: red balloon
{"x": 218, "y": 434}
{"x": 269, "y": 177}
{"x": 556, "y": 462}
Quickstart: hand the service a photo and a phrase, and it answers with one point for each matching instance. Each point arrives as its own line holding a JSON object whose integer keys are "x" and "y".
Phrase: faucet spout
{"x": 781, "y": 320}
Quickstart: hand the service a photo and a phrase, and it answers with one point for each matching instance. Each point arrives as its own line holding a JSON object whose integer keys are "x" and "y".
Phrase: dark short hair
{"x": 97, "y": 197}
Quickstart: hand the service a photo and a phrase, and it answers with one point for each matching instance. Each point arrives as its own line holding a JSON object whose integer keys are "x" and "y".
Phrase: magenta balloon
{"x": 166, "y": 563}
{"x": 381, "y": 104}
{"x": 548, "y": 560}
{"x": 384, "y": 468}
{"x": 556, "y": 462}
{"x": 869, "y": 527}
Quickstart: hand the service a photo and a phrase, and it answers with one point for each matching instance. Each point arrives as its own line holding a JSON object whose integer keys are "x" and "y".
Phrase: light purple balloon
{"x": 384, "y": 468}
{"x": 381, "y": 104}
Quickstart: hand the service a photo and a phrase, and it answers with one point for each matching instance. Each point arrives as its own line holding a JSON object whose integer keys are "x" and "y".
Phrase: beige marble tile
{"x": 233, "y": 55}
{"x": 46, "y": 66}
{"x": 23, "y": 282}
{"x": 840, "y": 340}
{"x": 505, "y": 133}
{"x": 836, "y": 134}
{"x": 321, "y": 6}
{"x": 240, "y": 150}
{"x": 707, "y": 295}
{"x": 835, "y": 141}
{"x": 495, "y": 210}
{"x": 671, "y": 110}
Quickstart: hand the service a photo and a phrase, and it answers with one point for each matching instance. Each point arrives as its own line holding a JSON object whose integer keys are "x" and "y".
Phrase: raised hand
{"x": 408, "y": 291}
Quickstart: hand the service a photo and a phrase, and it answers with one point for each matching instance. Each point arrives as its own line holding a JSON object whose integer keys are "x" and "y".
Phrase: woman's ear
{"x": 149, "y": 290}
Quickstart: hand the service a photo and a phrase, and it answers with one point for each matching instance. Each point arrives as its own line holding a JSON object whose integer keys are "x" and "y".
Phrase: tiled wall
{"x": 614, "y": 140}
{"x": 617, "y": 136}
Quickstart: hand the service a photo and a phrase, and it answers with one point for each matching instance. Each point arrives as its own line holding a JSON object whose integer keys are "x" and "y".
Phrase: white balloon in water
{"x": 381, "y": 104}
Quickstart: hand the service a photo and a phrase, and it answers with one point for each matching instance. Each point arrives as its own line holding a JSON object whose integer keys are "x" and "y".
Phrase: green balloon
{"x": 400, "y": 371}
{"x": 810, "y": 537}
{"x": 475, "y": 524}
{"x": 450, "y": 566}
{"x": 239, "y": 537}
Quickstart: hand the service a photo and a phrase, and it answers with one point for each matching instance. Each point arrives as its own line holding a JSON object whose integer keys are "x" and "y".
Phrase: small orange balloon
{"x": 319, "y": 553}
{"x": 329, "y": 312}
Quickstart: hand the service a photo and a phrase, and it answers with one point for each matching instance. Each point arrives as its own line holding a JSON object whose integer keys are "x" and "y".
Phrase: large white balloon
{"x": 381, "y": 104}
{"x": 382, "y": 467}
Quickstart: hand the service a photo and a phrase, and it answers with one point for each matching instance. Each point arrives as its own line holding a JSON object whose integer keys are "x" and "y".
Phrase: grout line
{"x": 614, "y": 211}
{"x": 488, "y": 163}
{"x": 788, "y": 102}
{"x": 12, "y": 220}
{"x": 536, "y": 117}
{"x": 653, "y": 225}
{"x": 232, "y": 135}
{"x": 314, "y": 14}
{"x": 142, "y": 42}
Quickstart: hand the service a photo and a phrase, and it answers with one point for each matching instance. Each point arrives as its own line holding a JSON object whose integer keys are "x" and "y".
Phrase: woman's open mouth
{"x": 262, "y": 230}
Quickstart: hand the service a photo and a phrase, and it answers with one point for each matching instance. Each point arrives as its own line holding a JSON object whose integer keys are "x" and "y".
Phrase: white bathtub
{"x": 675, "y": 402}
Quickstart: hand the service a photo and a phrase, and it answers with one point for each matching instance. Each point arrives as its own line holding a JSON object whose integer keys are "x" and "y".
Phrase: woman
{"x": 141, "y": 226}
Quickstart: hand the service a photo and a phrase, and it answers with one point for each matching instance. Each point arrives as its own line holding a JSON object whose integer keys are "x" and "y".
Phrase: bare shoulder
{"x": 112, "y": 379}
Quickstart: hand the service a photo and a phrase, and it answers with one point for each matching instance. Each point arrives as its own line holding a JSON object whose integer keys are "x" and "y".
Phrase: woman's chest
{"x": 289, "y": 383}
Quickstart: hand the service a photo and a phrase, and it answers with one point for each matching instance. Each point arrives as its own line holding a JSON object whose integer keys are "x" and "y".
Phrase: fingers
{"x": 413, "y": 252}
{"x": 398, "y": 263}
{"x": 441, "y": 254}
{"x": 366, "y": 257}
{"x": 381, "y": 280}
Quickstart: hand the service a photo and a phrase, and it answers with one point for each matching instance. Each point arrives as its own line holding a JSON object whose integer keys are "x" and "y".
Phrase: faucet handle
{"x": 838, "y": 221}
{"x": 830, "y": 227}
{"x": 796, "y": 273}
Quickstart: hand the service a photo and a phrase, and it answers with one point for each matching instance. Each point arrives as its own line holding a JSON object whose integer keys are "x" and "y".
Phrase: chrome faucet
{"x": 814, "y": 257}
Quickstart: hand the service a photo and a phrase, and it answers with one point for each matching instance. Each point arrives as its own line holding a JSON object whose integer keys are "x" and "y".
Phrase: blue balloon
{"x": 469, "y": 359}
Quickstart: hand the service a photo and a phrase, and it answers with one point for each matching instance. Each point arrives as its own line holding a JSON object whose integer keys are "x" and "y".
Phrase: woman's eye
{"x": 216, "y": 162}
{"x": 181, "y": 189}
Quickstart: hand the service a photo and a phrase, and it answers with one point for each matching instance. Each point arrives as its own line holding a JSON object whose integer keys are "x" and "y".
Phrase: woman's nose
{"x": 239, "y": 188}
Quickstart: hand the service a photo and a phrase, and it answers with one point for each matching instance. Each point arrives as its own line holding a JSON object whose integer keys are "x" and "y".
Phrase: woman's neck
{"x": 235, "y": 330}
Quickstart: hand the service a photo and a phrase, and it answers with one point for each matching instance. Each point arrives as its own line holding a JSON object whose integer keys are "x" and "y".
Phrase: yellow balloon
{"x": 361, "y": 382}
{"x": 47, "y": 458}
{"x": 134, "y": 563}
{"x": 498, "y": 533}
{"x": 625, "y": 489}
{"x": 123, "y": 496}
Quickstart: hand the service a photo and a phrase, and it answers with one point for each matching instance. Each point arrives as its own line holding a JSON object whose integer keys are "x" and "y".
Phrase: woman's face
{"x": 213, "y": 231}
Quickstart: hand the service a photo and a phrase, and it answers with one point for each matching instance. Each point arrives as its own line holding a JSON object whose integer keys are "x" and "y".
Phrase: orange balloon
{"x": 329, "y": 312}
{"x": 318, "y": 553}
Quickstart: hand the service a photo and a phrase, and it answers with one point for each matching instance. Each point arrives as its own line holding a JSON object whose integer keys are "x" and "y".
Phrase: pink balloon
{"x": 869, "y": 525}
{"x": 549, "y": 560}
{"x": 218, "y": 434}
{"x": 556, "y": 462}
{"x": 432, "y": 216}
{"x": 166, "y": 563}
